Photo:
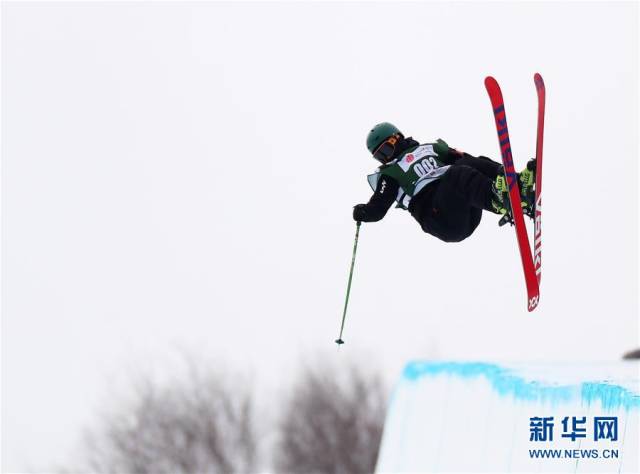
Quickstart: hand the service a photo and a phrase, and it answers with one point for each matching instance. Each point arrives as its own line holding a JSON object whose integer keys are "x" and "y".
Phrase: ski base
{"x": 497, "y": 103}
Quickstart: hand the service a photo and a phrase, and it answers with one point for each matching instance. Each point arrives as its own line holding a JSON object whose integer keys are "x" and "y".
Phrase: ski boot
{"x": 526, "y": 182}
{"x": 500, "y": 202}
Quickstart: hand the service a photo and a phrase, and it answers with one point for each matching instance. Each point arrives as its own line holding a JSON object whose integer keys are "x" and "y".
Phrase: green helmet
{"x": 379, "y": 134}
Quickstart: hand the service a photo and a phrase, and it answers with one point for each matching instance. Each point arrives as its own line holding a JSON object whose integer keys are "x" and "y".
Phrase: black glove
{"x": 359, "y": 212}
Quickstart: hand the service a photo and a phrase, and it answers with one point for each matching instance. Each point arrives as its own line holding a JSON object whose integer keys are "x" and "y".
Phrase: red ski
{"x": 537, "y": 233}
{"x": 497, "y": 102}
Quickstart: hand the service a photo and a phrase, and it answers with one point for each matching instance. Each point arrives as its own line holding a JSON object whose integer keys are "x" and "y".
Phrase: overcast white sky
{"x": 182, "y": 175}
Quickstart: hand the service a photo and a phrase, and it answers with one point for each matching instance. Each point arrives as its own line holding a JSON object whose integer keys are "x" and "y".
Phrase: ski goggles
{"x": 386, "y": 149}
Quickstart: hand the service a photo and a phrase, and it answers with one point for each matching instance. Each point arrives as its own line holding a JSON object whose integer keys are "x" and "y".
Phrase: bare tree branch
{"x": 201, "y": 423}
{"x": 332, "y": 423}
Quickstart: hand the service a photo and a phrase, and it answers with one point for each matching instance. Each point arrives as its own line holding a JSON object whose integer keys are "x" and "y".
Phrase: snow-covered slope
{"x": 453, "y": 416}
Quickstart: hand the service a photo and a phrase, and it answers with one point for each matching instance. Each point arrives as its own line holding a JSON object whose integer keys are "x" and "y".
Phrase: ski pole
{"x": 346, "y": 301}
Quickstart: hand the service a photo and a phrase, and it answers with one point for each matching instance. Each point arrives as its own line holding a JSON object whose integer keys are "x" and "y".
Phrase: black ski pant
{"x": 451, "y": 207}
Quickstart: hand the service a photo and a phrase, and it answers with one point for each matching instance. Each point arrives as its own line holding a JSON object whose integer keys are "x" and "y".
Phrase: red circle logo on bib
{"x": 409, "y": 158}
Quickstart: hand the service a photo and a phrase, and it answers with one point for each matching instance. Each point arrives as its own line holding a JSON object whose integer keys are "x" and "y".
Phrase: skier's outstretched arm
{"x": 382, "y": 199}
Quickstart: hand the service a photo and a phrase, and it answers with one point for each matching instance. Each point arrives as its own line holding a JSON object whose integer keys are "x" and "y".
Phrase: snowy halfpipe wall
{"x": 453, "y": 416}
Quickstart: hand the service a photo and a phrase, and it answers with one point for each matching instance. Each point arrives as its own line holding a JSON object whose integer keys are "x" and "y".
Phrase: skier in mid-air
{"x": 444, "y": 189}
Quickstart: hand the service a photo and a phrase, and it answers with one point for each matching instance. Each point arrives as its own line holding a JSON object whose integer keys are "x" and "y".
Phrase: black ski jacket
{"x": 387, "y": 189}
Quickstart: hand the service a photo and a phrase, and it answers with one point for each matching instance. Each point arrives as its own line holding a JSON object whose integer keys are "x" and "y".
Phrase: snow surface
{"x": 474, "y": 416}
